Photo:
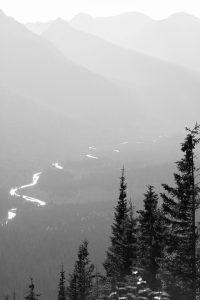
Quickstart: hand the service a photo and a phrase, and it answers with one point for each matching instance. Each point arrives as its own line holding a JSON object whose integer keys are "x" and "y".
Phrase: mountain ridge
{"x": 174, "y": 38}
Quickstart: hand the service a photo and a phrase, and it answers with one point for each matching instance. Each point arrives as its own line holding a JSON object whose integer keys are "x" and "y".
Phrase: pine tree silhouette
{"x": 61, "y": 285}
{"x": 80, "y": 281}
{"x": 121, "y": 253}
{"x": 150, "y": 243}
{"x": 32, "y": 295}
{"x": 179, "y": 206}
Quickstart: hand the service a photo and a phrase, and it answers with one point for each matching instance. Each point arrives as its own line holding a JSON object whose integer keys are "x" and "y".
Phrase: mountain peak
{"x": 10, "y": 25}
{"x": 131, "y": 15}
{"x": 58, "y": 25}
{"x": 2, "y": 14}
{"x": 59, "y": 21}
{"x": 82, "y": 17}
{"x": 183, "y": 16}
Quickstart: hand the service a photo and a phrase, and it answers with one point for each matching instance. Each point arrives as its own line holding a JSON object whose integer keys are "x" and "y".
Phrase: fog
{"x": 80, "y": 99}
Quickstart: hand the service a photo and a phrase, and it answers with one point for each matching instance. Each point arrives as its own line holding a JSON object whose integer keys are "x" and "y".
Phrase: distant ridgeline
{"x": 59, "y": 93}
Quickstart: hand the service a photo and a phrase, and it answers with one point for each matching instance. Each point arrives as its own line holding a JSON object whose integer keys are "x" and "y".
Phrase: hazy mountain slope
{"x": 38, "y": 27}
{"x": 155, "y": 83}
{"x": 97, "y": 109}
{"x": 111, "y": 60}
{"x": 50, "y": 108}
{"x": 174, "y": 39}
{"x": 116, "y": 29}
{"x": 53, "y": 109}
{"x": 33, "y": 67}
{"x": 32, "y": 136}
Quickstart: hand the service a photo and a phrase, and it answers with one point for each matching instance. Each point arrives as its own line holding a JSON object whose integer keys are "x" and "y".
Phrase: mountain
{"x": 31, "y": 137}
{"x": 80, "y": 107}
{"x": 116, "y": 29}
{"x": 32, "y": 67}
{"x": 153, "y": 82}
{"x": 38, "y": 27}
{"x": 121, "y": 109}
{"x": 52, "y": 108}
{"x": 174, "y": 39}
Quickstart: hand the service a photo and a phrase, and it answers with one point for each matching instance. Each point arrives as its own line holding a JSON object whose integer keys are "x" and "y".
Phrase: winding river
{"x": 16, "y": 192}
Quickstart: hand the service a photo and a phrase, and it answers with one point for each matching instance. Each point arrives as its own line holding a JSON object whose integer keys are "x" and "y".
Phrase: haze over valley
{"x": 79, "y": 100}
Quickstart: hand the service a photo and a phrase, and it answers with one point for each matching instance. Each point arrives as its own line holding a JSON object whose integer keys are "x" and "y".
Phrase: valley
{"x": 80, "y": 100}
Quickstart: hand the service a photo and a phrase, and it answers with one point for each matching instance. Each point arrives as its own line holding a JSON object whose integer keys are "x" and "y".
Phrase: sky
{"x": 44, "y": 10}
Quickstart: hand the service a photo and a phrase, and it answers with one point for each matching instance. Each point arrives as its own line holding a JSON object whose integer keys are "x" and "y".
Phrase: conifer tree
{"x": 98, "y": 277}
{"x": 72, "y": 289}
{"x": 150, "y": 242}
{"x": 80, "y": 281}
{"x": 179, "y": 206}
{"x": 130, "y": 239}
{"x": 32, "y": 295}
{"x": 61, "y": 285}
{"x": 121, "y": 253}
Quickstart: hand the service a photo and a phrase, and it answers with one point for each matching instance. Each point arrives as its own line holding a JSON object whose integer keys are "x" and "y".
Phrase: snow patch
{"x": 31, "y": 199}
{"x": 92, "y": 148}
{"x": 57, "y": 166}
{"x": 12, "y": 213}
{"x": 124, "y": 143}
{"x": 13, "y": 192}
{"x": 91, "y": 156}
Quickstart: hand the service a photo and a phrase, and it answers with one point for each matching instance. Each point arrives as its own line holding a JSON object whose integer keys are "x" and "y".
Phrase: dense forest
{"x": 153, "y": 252}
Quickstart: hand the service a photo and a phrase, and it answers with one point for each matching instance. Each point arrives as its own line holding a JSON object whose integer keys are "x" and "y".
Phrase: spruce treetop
{"x": 179, "y": 206}
{"x": 61, "y": 285}
{"x": 122, "y": 252}
{"x": 32, "y": 295}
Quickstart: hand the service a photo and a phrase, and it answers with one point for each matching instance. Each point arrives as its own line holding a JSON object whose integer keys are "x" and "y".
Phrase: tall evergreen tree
{"x": 130, "y": 239}
{"x": 150, "y": 243}
{"x": 121, "y": 253}
{"x": 72, "y": 289}
{"x": 80, "y": 281}
{"x": 32, "y": 295}
{"x": 179, "y": 206}
{"x": 61, "y": 285}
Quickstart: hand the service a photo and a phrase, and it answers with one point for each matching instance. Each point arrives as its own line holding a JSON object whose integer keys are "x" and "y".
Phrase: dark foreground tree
{"x": 121, "y": 253}
{"x": 114, "y": 263}
{"x": 72, "y": 289}
{"x": 150, "y": 237}
{"x": 61, "y": 285}
{"x": 32, "y": 295}
{"x": 80, "y": 281}
{"x": 129, "y": 240}
{"x": 179, "y": 205}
